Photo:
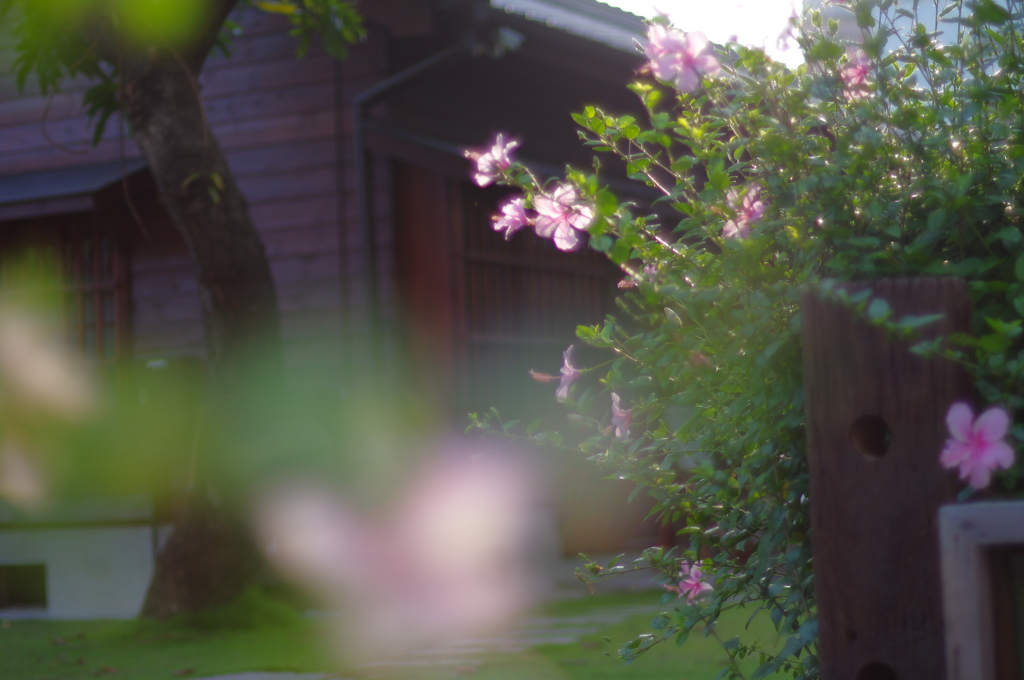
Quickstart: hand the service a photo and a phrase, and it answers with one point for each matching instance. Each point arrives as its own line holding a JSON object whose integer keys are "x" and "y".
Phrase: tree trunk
{"x": 208, "y": 558}
{"x": 207, "y": 561}
{"x": 239, "y": 301}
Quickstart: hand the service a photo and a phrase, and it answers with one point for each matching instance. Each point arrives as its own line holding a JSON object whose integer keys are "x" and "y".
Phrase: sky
{"x": 750, "y": 22}
{"x": 760, "y": 22}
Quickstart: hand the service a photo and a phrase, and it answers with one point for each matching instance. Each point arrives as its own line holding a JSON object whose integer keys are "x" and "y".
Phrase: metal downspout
{"x": 364, "y": 207}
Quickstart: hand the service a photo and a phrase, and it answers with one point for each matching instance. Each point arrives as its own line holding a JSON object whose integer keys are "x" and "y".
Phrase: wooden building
{"x": 455, "y": 304}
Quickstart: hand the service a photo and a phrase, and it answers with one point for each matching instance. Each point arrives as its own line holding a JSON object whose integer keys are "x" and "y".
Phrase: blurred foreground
{"x": 366, "y": 503}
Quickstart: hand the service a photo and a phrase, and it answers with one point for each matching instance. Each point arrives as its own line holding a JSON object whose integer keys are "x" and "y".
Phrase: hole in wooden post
{"x": 870, "y": 435}
{"x": 876, "y": 670}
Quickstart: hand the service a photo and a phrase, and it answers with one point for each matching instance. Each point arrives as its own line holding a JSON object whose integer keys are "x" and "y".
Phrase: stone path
{"x": 276, "y": 676}
{"x": 537, "y": 630}
{"x": 533, "y": 631}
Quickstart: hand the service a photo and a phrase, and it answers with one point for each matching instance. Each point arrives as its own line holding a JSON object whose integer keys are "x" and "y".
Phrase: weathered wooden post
{"x": 875, "y": 427}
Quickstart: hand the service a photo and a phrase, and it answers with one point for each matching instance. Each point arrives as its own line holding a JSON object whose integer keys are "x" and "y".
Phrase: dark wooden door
{"x": 479, "y": 312}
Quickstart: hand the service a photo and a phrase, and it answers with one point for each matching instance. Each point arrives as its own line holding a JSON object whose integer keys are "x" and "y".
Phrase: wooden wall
{"x": 285, "y": 126}
{"x": 276, "y": 119}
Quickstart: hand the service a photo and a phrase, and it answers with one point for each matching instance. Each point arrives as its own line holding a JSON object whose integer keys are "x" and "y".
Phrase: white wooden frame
{"x": 966, "y": 533}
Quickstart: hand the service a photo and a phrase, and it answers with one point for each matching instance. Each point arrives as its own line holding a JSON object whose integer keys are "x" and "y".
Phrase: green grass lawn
{"x": 260, "y": 633}
{"x": 257, "y": 633}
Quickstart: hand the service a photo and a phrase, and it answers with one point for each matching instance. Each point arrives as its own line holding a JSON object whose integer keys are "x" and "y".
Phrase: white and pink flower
{"x": 976, "y": 446}
{"x": 569, "y": 375}
{"x": 692, "y": 583}
{"x": 682, "y": 58}
{"x": 621, "y": 418}
{"x": 513, "y": 217}
{"x": 560, "y": 216}
{"x": 492, "y": 162}
{"x": 747, "y": 208}
{"x": 854, "y": 75}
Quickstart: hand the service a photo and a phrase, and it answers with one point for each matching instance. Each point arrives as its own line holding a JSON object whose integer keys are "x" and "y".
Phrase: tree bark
{"x": 239, "y": 301}
{"x": 208, "y": 558}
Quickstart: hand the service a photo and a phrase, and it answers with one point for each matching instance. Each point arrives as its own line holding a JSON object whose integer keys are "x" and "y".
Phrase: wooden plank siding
{"x": 275, "y": 117}
{"x": 285, "y": 126}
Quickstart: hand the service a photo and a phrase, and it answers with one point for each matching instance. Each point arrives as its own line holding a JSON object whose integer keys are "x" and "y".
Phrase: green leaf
{"x": 607, "y": 203}
{"x": 718, "y": 178}
{"x": 864, "y": 241}
{"x": 988, "y": 12}
{"x": 825, "y": 50}
{"x": 1018, "y": 268}
{"x": 936, "y": 218}
{"x": 553, "y": 437}
{"x": 601, "y": 243}
{"x": 1010, "y": 236}
{"x": 621, "y": 251}
{"x": 864, "y": 11}
{"x": 771, "y": 349}
{"x": 875, "y": 45}
{"x": 101, "y": 125}
{"x": 808, "y": 631}
{"x": 914, "y": 322}
{"x": 879, "y": 310}
{"x": 994, "y": 343}
{"x": 681, "y": 638}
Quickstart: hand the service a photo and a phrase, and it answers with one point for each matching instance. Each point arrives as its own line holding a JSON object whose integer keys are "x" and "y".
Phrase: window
{"x": 96, "y": 279}
{"x": 22, "y": 586}
{"x": 94, "y": 273}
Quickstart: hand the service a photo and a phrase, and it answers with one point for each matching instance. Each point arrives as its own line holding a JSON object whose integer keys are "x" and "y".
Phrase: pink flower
{"x": 492, "y": 162}
{"x": 559, "y": 217}
{"x": 691, "y": 582}
{"x": 748, "y": 210}
{"x": 569, "y": 375}
{"x": 976, "y": 446}
{"x": 680, "y": 57}
{"x": 854, "y": 75}
{"x": 513, "y": 218}
{"x": 620, "y": 418}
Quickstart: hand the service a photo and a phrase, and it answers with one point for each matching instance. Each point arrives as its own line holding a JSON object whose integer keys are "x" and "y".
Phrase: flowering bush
{"x": 898, "y": 154}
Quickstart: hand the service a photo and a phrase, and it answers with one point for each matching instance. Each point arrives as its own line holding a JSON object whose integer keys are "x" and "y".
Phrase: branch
{"x": 194, "y": 52}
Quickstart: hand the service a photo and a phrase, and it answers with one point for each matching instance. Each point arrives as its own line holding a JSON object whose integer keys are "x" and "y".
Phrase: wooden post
{"x": 875, "y": 427}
